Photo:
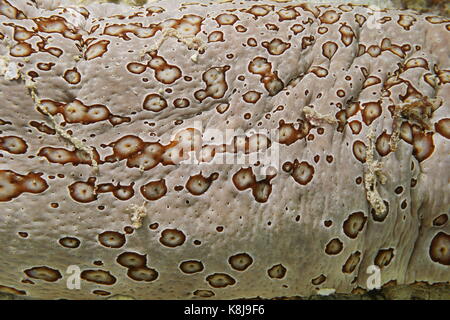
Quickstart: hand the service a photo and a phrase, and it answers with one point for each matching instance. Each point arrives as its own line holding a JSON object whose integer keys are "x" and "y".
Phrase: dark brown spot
{"x": 440, "y": 220}
{"x": 11, "y": 290}
{"x": 172, "y": 238}
{"x": 277, "y": 271}
{"x": 354, "y": 224}
{"x": 111, "y": 239}
{"x": 440, "y": 249}
{"x": 384, "y": 257}
{"x": 142, "y": 274}
{"x": 352, "y": 262}
{"x": 240, "y": 261}
{"x": 98, "y": 276}
{"x": 44, "y": 273}
{"x": 203, "y": 293}
{"x": 220, "y": 280}
{"x": 334, "y": 247}
{"x": 191, "y": 266}
{"x": 132, "y": 259}
{"x": 69, "y": 242}
{"x": 154, "y": 190}
{"x": 319, "y": 280}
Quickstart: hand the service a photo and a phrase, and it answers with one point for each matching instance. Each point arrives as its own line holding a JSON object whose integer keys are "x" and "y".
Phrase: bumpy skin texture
{"x": 362, "y": 124}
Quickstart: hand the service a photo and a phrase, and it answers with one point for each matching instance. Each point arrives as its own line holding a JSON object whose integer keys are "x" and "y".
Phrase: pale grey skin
{"x": 289, "y": 228}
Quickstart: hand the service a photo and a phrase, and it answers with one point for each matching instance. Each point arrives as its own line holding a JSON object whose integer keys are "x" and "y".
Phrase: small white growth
{"x": 8, "y": 69}
{"x": 191, "y": 42}
{"x": 313, "y": 116}
{"x": 372, "y": 175}
{"x": 194, "y": 58}
{"x": 137, "y": 214}
{"x": 77, "y": 143}
{"x": 326, "y": 291}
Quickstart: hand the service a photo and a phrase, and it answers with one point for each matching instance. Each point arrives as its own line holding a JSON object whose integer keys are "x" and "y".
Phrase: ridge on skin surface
{"x": 104, "y": 108}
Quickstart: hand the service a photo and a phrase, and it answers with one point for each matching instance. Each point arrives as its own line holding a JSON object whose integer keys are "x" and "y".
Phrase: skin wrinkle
{"x": 265, "y": 229}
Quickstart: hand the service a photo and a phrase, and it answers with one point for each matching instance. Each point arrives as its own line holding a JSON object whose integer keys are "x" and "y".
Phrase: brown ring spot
{"x": 111, "y": 239}
{"x": 440, "y": 249}
{"x": 220, "y": 280}
{"x": 240, "y": 261}
{"x": 44, "y": 273}
{"x": 191, "y": 266}
{"x": 132, "y": 259}
{"x": 69, "y": 242}
{"x": 277, "y": 271}
{"x": 172, "y": 238}
{"x": 98, "y": 276}
{"x": 334, "y": 246}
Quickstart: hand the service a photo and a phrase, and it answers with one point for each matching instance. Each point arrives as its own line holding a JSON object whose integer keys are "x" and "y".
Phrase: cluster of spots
{"x": 77, "y": 112}
{"x": 147, "y": 155}
{"x": 63, "y": 156}
{"x": 302, "y": 172}
{"x": 216, "y": 84}
{"x": 187, "y": 26}
{"x": 137, "y": 266}
{"x": 288, "y": 133}
{"x": 88, "y": 191}
{"x": 56, "y": 24}
{"x": 244, "y": 179}
{"x": 164, "y": 72}
{"x": 262, "y": 67}
{"x": 43, "y": 25}
{"x": 13, "y": 184}
{"x": 120, "y": 192}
